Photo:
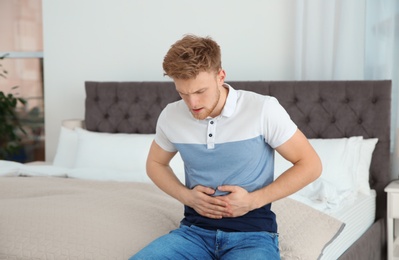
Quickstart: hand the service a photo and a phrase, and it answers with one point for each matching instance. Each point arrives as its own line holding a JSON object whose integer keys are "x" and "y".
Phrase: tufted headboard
{"x": 321, "y": 109}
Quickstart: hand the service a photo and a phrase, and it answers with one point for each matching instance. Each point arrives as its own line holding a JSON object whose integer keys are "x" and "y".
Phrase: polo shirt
{"x": 234, "y": 148}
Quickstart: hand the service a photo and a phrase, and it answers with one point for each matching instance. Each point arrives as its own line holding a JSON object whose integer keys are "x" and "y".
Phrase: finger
{"x": 216, "y": 213}
{"x": 213, "y": 207}
{"x": 227, "y": 188}
{"x": 210, "y": 215}
{"x": 206, "y": 190}
{"x": 218, "y": 202}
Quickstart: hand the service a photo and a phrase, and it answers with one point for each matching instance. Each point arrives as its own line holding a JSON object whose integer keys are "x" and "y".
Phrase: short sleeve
{"x": 160, "y": 137}
{"x": 278, "y": 126}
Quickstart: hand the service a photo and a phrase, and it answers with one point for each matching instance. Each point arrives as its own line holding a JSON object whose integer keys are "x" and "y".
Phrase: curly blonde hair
{"x": 191, "y": 55}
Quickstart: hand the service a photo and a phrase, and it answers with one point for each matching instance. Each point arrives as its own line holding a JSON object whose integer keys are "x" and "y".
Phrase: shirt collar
{"x": 231, "y": 101}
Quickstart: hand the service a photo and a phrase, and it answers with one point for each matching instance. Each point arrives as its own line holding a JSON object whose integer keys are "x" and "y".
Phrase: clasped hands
{"x": 236, "y": 203}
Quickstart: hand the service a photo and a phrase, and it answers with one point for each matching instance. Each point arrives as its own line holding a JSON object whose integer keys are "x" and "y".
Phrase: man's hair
{"x": 191, "y": 55}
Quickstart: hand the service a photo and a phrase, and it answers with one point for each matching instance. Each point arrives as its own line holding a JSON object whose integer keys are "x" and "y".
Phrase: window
{"x": 22, "y": 43}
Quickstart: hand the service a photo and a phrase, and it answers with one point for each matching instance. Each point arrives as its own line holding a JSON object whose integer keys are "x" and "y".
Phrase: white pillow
{"x": 124, "y": 152}
{"x": 346, "y": 163}
{"x": 66, "y": 150}
{"x": 120, "y": 152}
{"x": 363, "y": 172}
{"x": 340, "y": 158}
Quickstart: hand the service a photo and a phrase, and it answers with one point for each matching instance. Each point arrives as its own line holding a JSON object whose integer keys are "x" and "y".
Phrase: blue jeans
{"x": 197, "y": 243}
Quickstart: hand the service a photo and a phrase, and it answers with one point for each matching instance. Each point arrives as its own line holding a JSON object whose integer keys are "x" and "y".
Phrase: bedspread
{"x": 66, "y": 218}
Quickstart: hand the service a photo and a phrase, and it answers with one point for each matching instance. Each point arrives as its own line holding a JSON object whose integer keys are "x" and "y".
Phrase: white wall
{"x": 126, "y": 40}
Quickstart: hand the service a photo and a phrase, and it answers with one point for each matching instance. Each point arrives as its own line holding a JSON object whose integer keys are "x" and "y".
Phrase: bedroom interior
{"x": 347, "y": 68}
{"x": 66, "y": 208}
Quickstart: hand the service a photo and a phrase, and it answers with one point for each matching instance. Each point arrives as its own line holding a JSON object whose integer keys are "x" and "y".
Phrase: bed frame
{"x": 321, "y": 109}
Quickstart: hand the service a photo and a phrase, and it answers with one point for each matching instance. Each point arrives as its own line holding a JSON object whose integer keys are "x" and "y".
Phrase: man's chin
{"x": 199, "y": 116}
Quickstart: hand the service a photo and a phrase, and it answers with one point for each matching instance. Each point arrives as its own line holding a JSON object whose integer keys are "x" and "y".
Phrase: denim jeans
{"x": 197, "y": 243}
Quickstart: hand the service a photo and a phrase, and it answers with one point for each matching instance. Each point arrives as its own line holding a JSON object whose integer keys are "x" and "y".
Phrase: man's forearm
{"x": 294, "y": 179}
{"x": 164, "y": 177}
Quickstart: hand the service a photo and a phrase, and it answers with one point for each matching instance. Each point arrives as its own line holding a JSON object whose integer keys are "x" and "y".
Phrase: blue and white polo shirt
{"x": 235, "y": 148}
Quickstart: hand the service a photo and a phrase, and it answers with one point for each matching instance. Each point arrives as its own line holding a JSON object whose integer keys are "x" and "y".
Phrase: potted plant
{"x": 10, "y": 140}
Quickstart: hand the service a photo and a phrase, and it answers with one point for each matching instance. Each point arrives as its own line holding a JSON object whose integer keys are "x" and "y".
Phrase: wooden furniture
{"x": 393, "y": 214}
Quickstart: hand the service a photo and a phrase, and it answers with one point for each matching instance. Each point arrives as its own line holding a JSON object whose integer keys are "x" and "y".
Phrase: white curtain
{"x": 382, "y": 57}
{"x": 350, "y": 40}
{"x": 329, "y": 40}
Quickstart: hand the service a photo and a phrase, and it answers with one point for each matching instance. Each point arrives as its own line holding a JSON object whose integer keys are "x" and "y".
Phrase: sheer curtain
{"x": 382, "y": 57}
{"x": 350, "y": 40}
{"x": 329, "y": 40}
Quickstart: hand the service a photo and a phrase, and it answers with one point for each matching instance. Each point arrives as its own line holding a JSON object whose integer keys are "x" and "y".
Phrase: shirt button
{"x": 210, "y": 135}
{"x": 211, "y": 122}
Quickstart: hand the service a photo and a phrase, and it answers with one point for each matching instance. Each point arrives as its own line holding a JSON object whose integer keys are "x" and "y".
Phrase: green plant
{"x": 10, "y": 141}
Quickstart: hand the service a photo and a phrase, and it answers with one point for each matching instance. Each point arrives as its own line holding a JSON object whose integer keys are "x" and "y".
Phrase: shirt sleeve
{"x": 160, "y": 136}
{"x": 278, "y": 126}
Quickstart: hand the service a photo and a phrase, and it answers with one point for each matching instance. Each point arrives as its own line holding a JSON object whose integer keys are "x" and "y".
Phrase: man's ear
{"x": 221, "y": 76}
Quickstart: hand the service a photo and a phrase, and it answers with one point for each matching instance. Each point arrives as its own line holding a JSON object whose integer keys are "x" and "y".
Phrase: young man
{"x": 226, "y": 138}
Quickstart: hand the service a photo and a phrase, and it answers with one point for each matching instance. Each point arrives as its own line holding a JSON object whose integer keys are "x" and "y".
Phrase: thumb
{"x": 203, "y": 189}
{"x": 227, "y": 188}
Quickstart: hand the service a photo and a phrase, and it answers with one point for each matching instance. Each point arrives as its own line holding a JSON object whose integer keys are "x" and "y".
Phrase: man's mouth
{"x": 196, "y": 110}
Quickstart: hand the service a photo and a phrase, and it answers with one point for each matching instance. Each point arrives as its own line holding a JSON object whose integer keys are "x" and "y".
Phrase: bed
{"x": 96, "y": 202}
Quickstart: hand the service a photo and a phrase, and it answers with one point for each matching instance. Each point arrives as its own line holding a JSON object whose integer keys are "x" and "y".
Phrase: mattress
{"x": 358, "y": 217}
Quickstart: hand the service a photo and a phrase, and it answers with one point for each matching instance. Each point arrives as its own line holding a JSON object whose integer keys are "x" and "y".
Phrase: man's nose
{"x": 192, "y": 101}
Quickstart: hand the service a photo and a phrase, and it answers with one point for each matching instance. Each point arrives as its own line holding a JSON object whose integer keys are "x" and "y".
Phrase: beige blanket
{"x": 61, "y": 218}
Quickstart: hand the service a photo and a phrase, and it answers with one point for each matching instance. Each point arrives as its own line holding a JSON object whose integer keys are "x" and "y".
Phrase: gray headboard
{"x": 321, "y": 109}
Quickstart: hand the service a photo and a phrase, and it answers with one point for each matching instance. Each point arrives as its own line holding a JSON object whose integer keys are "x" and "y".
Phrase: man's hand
{"x": 203, "y": 203}
{"x": 239, "y": 201}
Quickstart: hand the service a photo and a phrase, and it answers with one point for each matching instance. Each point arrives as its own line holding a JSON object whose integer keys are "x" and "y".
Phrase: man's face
{"x": 202, "y": 95}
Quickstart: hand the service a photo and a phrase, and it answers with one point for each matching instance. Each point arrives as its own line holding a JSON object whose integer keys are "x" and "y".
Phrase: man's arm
{"x": 306, "y": 168}
{"x": 198, "y": 198}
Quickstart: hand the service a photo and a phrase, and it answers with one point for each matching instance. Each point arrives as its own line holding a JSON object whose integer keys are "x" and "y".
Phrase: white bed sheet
{"x": 358, "y": 217}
